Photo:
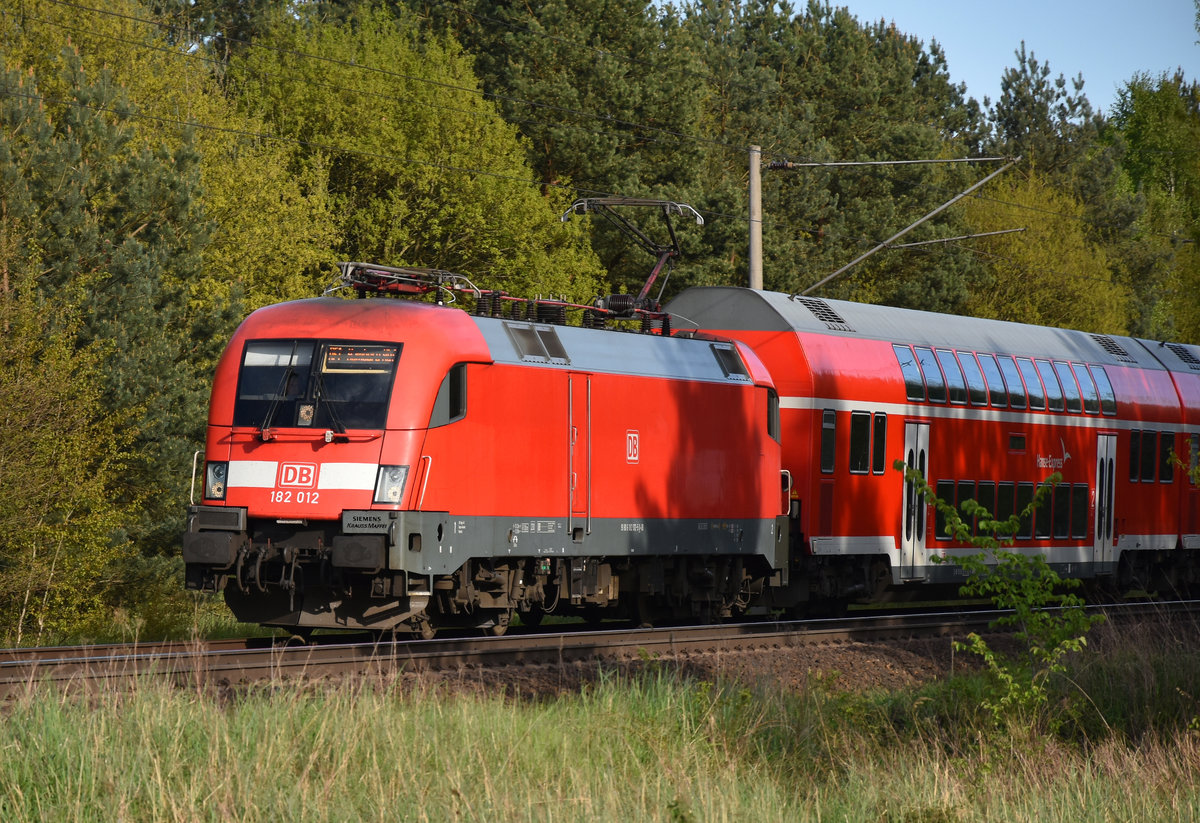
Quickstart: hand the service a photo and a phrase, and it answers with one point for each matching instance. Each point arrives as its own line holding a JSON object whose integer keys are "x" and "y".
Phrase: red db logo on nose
{"x": 303, "y": 475}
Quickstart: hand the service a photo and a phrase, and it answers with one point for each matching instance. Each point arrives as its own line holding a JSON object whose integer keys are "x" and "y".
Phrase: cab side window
{"x": 451, "y": 402}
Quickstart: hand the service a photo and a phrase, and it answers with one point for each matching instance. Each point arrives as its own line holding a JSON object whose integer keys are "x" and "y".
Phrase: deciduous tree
{"x": 421, "y": 170}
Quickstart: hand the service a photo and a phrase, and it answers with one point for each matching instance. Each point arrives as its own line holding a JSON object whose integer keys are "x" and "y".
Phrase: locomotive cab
{"x": 318, "y": 417}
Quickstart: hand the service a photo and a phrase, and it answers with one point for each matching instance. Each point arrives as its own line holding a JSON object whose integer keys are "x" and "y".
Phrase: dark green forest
{"x": 167, "y": 166}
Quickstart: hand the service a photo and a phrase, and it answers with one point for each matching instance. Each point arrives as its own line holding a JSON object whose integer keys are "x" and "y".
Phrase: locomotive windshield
{"x": 315, "y": 383}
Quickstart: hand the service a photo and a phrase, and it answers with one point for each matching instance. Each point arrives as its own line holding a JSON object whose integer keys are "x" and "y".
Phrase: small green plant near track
{"x": 1050, "y": 622}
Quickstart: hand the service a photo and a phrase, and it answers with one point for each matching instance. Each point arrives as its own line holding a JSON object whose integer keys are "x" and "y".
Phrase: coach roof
{"x": 738, "y": 309}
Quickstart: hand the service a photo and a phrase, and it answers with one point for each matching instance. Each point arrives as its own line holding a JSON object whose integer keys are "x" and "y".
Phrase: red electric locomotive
{"x": 986, "y": 410}
{"x": 378, "y": 463}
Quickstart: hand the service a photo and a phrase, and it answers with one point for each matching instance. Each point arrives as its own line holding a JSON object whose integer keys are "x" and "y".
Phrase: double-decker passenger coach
{"x": 986, "y": 410}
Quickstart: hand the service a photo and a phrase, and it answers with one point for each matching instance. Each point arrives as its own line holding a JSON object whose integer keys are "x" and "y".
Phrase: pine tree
{"x": 68, "y": 472}
{"x": 118, "y": 234}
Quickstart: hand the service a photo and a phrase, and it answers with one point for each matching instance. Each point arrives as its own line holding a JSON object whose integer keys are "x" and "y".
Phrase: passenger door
{"x": 1106, "y": 462}
{"x": 912, "y": 528}
{"x": 579, "y": 432}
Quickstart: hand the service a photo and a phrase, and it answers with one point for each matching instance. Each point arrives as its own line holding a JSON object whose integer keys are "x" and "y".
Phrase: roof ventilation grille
{"x": 825, "y": 313}
{"x": 1185, "y": 354}
{"x": 1113, "y": 347}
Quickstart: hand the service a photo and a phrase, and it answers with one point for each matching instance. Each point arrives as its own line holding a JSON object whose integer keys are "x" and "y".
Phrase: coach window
{"x": 860, "y": 442}
{"x": 1005, "y": 501}
{"x": 1108, "y": 398}
{"x": 945, "y": 493}
{"x": 966, "y": 491}
{"x": 1037, "y": 396}
{"x": 1070, "y": 389}
{"x": 1166, "y": 453}
{"x": 976, "y": 388}
{"x": 1080, "y": 498}
{"x": 1143, "y": 446}
{"x": 1062, "y": 511}
{"x": 1024, "y": 498}
{"x": 995, "y": 381}
{"x": 1091, "y": 399}
{"x": 954, "y": 379}
{"x": 1149, "y": 444}
{"x": 1044, "y": 513}
{"x": 914, "y": 384}
{"x": 934, "y": 382}
{"x": 1193, "y": 457}
{"x": 828, "y": 440}
{"x": 1135, "y": 455}
{"x": 1054, "y": 393}
{"x": 986, "y": 497}
{"x": 879, "y": 454}
{"x": 1012, "y": 378}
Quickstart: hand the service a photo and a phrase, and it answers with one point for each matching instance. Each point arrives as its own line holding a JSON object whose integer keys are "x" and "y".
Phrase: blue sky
{"x": 1108, "y": 41}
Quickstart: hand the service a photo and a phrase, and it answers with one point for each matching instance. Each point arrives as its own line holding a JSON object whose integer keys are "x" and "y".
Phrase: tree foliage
{"x": 117, "y": 231}
{"x": 65, "y": 492}
{"x": 62, "y": 457}
{"x": 269, "y": 231}
{"x": 420, "y": 169}
{"x": 1157, "y": 121}
{"x": 1051, "y": 273}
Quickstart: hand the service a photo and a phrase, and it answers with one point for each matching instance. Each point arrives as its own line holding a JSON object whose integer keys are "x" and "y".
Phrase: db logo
{"x": 303, "y": 475}
{"x": 631, "y": 446}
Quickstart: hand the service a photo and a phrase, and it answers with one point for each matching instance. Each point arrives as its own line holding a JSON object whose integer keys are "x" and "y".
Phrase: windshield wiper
{"x": 335, "y": 418}
{"x": 264, "y": 431}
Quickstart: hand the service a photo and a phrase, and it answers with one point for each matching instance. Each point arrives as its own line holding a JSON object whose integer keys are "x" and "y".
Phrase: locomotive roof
{"x": 614, "y": 351}
{"x": 739, "y": 309}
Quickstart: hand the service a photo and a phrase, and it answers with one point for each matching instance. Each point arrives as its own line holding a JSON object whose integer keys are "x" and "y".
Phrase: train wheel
{"x": 500, "y": 620}
{"x": 423, "y": 628}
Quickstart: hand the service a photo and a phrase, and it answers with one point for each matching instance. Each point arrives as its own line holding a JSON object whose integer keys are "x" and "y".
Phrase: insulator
{"x": 666, "y": 325}
{"x": 554, "y": 313}
{"x": 483, "y": 306}
{"x": 647, "y": 324}
{"x": 621, "y": 305}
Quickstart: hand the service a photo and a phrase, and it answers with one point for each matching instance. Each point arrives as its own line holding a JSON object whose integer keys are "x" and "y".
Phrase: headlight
{"x": 389, "y": 486}
{"x": 214, "y": 480}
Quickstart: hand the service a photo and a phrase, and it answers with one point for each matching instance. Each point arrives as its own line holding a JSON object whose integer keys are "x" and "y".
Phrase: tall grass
{"x": 653, "y": 745}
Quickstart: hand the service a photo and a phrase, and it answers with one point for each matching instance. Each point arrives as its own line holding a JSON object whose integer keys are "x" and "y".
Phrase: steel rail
{"x": 235, "y": 663}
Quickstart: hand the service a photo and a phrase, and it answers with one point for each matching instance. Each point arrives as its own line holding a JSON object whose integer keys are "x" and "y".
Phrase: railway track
{"x": 244, "y": 662}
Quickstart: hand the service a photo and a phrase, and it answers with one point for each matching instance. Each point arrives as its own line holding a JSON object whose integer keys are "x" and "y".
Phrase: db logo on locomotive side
{"x": 631, "y": 446}
{"x": 298, "y": 475}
